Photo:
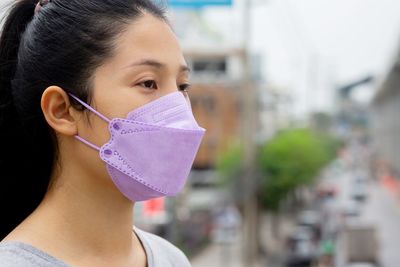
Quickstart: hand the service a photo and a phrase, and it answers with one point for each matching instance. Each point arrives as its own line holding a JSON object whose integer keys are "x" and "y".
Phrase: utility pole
{"x": 248, "y": 130}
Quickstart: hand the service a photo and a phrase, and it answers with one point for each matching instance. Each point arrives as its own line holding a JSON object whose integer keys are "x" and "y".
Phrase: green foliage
{"x": 229, "y": 164}
{"x": 292, "y": 159}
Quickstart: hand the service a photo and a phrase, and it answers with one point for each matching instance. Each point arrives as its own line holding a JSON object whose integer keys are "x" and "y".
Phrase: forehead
{"x": 148, "y": 37}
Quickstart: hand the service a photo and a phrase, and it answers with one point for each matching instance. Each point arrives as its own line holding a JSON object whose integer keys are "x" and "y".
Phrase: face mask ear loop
{"x": 87, "y": 142}
{"x": 91, "y": 109}
{"x": 95, "y": 112}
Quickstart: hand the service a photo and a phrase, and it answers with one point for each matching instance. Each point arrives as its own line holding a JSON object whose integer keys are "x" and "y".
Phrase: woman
{"x": 94, "y": 117}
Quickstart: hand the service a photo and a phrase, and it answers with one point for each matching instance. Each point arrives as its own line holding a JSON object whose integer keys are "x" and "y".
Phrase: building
{"x": 385, "y": 130}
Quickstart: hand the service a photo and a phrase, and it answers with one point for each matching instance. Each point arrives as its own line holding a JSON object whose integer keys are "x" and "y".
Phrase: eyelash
{"x": 183, "y": 87}
{"x": 143, "y": 84}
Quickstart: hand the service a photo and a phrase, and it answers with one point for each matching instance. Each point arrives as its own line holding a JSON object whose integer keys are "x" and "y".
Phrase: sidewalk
{"x": 217, "y": 255}
{"x": 220, "y": 255}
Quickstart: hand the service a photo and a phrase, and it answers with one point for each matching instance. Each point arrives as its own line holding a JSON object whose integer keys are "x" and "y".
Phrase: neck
{"x": 80, "y": 217}
{"x": 97, "y": 221}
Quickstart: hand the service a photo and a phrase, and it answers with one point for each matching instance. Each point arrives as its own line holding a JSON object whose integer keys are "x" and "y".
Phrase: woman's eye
{"x": 150, "y": 84}
{"x": 184, "y": 87}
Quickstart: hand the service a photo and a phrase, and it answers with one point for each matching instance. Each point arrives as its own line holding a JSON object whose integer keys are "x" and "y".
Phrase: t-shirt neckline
{"x": 46, "y": 256}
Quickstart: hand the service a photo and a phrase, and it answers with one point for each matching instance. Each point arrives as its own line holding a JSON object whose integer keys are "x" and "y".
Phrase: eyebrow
{"x": 156, "y": 64}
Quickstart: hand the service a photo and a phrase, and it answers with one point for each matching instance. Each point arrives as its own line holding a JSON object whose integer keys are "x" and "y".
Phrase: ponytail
{"x": 15, "y": 194}
{"x": 20, "y": 14}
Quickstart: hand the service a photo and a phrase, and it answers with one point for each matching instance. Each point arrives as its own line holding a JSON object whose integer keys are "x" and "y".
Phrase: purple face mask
{"x": 151, "y": 152}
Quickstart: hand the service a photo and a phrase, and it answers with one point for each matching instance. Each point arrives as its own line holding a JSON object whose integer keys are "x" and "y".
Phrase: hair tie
{"x": 40, "y": 4}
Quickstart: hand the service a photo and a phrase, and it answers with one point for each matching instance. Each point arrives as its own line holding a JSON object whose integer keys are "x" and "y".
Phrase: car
{"x": 326, "y": 191}
{"x": 359, "y": 192}
{"x": 311, "y": 219}
{"x": 301, "y": 248}
{"x": 351, "y": 208}
{"x": 361, "y": 243}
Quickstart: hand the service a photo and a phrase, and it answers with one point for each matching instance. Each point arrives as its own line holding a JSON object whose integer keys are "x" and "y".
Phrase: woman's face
{"x": 147, "y": 64}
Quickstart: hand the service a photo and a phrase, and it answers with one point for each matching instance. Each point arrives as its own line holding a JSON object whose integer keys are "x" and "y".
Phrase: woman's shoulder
{"x": 16, "y": 254}
{"x": 160, "y": 252}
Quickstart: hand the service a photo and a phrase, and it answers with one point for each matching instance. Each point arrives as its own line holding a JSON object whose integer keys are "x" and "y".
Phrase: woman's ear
{"x": 58, "y": 111}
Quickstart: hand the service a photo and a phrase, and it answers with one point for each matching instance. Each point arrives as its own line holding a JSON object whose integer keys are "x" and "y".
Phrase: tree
{"x": 292, "y": 159}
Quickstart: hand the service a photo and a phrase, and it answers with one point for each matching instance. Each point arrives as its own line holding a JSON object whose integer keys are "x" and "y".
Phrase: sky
{"x": 341, "y": 41}
{"x": 353, "y": 36}
{"x": 309, "y": 48}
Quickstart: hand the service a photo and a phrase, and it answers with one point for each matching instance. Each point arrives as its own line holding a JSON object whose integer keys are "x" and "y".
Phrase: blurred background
{"x": 300, "y": 165}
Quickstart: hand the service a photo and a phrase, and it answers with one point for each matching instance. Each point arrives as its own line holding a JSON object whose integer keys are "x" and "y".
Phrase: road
{"x": 382, "y": 209}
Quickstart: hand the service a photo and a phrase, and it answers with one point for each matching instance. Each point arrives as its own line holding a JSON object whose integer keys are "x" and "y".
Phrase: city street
{"x": 381, "y": 209}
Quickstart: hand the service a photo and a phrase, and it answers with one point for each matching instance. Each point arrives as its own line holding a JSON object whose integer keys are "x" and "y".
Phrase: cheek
{"x": 96, "y": 132}
{"x": 121, "y": 101}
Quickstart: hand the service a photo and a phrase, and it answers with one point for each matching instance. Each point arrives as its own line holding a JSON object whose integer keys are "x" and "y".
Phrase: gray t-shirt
{"x": 160, "y": 253}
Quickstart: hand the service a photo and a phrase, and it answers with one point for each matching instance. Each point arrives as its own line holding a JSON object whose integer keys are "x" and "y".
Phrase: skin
{"x": 84, "y": 220}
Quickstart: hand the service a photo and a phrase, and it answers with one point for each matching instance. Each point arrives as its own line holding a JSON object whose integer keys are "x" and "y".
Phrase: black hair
{"x": 62, "y": 44}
